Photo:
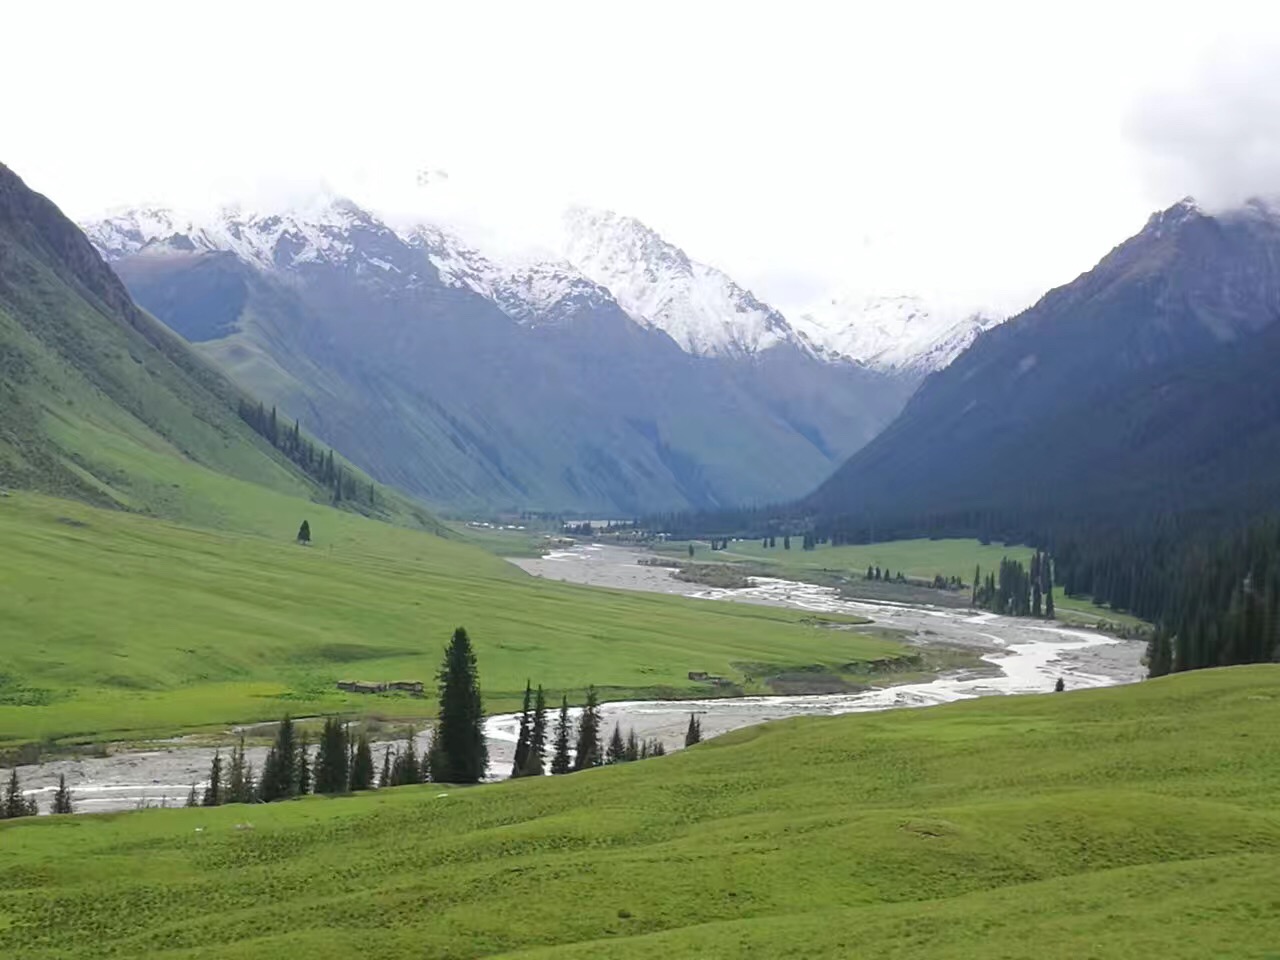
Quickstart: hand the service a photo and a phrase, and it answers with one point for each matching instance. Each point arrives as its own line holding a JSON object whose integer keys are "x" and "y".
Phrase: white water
{"x": 1030, "y": 657}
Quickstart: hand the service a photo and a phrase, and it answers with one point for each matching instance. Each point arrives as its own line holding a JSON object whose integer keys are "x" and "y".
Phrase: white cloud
{"x": 976, "y": 152}
{"x": 1215, "y": 133}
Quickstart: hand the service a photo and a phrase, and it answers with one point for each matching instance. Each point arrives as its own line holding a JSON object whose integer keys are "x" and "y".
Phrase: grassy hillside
{"x": 1089, "y": 824}
{"x": 101, "y": 402}
{"x": 117, "y": 625}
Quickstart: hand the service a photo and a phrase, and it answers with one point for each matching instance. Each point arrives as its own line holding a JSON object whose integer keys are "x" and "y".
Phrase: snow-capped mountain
{"x": 470, "y": 378}
{"x": 657, "y": 283}
{"x": 902, "y": 334}
{"x": 326, "y": 229}
{"x": 530, "y": 290}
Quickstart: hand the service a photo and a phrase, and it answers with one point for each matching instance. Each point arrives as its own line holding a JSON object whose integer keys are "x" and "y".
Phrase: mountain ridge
{"x": 584, "y": 406}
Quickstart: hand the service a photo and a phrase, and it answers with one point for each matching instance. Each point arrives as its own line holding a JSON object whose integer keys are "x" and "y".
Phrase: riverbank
{"x": 1017, "y": 656}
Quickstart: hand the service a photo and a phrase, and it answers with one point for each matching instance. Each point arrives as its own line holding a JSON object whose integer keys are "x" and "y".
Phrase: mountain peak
{"x": 661, "y": 286}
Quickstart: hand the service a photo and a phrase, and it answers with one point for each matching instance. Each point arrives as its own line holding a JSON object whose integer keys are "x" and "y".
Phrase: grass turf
{"x": 1137, "y": 821}
{"x": 119, "y": 626}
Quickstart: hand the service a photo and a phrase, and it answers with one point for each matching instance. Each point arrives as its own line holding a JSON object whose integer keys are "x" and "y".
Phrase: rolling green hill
{"x": 1099, "y": 823}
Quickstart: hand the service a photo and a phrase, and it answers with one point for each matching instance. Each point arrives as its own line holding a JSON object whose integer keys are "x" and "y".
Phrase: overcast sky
{"x": 979, "y": 153}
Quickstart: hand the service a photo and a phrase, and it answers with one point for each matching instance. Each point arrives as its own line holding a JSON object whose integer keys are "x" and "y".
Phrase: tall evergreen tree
{"x": 193, "y": 798}
{"x": 332, "y": 773}
{"x": 304, "y": 764}
{"x": 459, "y": 751}
{"x": 560, "y": 758}
{"x": 15, "y": 803}
{"x": 1048, "y": 587}
{"x": 362, "y": 764}
{"x": 406, "y": 768}
{"x": 537, "y": 736}
{"x": 62, "y": 799}
{"x": 304, "y": 532}
{"x": 633, "y": 745}
{"x": 616, "y": 752}
{"x": 280, "y": 771}
{"x": 236, "y": 791}
{"x": 694, "y": 733}
{"x": 588, "y": 753}
{"x": 522, "y": 741}
{"x": 385, "y": 780}
{"x": 977, "y": 579}
{"x": 213, "y": 792}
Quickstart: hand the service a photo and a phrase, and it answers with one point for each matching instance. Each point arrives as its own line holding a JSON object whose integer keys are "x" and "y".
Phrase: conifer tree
{"x": 977, "y": 578}
{"x": 588, "y": 753}
{"x": 560, "y": 758}
{"x": 304, "y": 765}
{"x": 213, "y": 792}
{"x": 193, "y": 799}
{"x": 459, "y": 753}
{"x": 236, "y": 791}
{"x": 633, "y": 745}
{"x": 1048, "y": 587}
{"x": 280, "y": 771}
{"x": 15, "y": 803}
{"x": 694, "y": 733}
{"x": 332, "y": 773}
{"x": 407, "y": 769}
{"x": 616, "y": 752}
{"x": 537, "y": 736}
{"x": 786, "y": 543}
{"x": 304, "y": 532}
{"x": 522, "y": 741}
{"x": 62, "y": 799}
{"x": 385, "y": 780}
{"x": 362, "y": 765}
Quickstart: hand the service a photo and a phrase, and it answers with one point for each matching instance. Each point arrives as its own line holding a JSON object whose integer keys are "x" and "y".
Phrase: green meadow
{"x": 921, "y": 558}
{"x": 121, "y": 626}
{"x": 1099, "y": 823}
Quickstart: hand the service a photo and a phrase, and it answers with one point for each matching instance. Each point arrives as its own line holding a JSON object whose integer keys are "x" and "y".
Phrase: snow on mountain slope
{"x": 609, "y": 262}
{"x": 891, "y": 333}
{"x": 657, "y": 283}
{"x": 529, "y": 290}
{"x": 322, "y": 230}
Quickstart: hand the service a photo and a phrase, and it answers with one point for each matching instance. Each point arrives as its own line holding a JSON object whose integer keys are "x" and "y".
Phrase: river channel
{"x": 1024, "y": 656}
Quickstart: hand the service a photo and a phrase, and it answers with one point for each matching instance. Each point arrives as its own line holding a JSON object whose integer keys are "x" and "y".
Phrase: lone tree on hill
{"x": 588, "y": 753}
{"x": 62, "y": 798}
{"x": 304, "y": 533}
{"x": 694, "y": 733}
{"x": 560, "y": 759}
{"x": 459, "y": 754}
{"x": 691, "y": 549}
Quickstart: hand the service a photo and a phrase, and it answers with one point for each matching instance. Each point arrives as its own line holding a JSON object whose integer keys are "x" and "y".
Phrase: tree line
{"x": 1206, "y": 580}
{"x": 316, "y": 463}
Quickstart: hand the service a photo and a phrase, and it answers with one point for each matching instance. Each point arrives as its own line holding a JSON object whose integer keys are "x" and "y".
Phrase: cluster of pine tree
{"x": 343, "y": 762}
{"x": 720, "y": 543}
{"x": 316, "y": 463}
{"x": 572, "y": 749}
{"x": 1015, "y": 590}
